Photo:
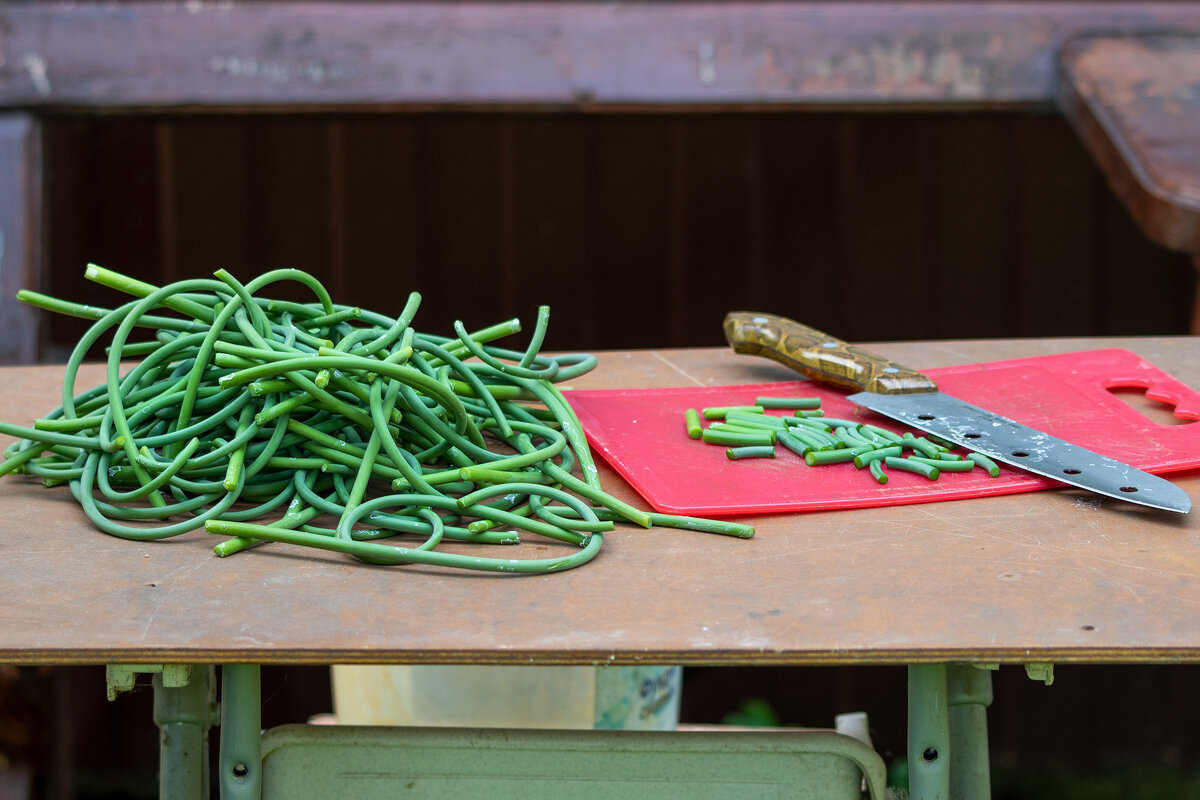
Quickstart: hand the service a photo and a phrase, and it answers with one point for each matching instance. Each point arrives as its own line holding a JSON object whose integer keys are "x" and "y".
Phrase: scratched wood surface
{"x": 1057, "y": 575}
{"x": 574, "y": 54}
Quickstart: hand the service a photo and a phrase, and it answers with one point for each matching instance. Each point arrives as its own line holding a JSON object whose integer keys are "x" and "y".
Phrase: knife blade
{"x": 910, "y": 397}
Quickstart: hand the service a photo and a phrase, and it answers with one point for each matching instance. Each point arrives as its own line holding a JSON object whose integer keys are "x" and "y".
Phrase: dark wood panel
{"x": 548, "y": 173}
{"x": 207, "y": 197}
{"x": 636, "y": 236}
{"x": 103, "y": 207}
{"x": 288, "y": 196}
{"x": 1139, "y": 288}
{"x": 1057, "y": 224}
{"x": 562, "y": 54}
{"x": 718, "y": 260}
{"x": 974, "y": 201}
{"x": 385, "y": 211}
{"x": 800, "y": 206}
{"x": 459, "y": 175}
{"x": 884, "y": 199}
{"x": 638, "y": 230}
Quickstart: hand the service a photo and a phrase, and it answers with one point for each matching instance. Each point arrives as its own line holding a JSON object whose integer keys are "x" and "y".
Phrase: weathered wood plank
{"x": 1134, "y": 104}
{"x": 286, "y": 55}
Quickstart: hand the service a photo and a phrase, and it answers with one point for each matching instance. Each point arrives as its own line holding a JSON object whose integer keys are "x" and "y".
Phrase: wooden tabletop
{"x": 1057, "y": 575}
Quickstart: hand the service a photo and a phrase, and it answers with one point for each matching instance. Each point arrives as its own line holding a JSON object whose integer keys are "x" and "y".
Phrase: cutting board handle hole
{"x": 1158, "y": 411}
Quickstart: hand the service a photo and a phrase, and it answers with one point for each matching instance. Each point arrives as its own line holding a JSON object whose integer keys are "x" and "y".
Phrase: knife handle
{"x": 820, "y": 356}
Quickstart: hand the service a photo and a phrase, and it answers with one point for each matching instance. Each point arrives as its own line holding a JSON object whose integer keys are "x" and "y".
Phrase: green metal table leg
{"x": 183, "y": 715}
{"x": 928, "y": 733}
{"x": 241, "y": 732}
{"x": 969, "y": 691}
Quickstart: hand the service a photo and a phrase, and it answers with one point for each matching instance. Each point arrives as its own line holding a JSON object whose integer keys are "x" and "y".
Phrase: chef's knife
{"x": 910, "y": 397}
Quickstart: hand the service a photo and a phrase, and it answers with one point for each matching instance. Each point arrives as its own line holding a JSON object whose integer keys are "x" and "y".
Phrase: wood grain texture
{"x": 639, "y": 230}
{"x": 288, "y": 55}
{"x": 1047, "y": 576}
{"x": 820, "y": 356}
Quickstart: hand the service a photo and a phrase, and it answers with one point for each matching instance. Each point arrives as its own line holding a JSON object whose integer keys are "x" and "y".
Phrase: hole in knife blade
{"x": 1019, "y": 454}
{"x": 1071, "y": 471}
{"x": 972, "y": 435}
{"x": 926, "y": 417}
{"x": 1129, "y": 489}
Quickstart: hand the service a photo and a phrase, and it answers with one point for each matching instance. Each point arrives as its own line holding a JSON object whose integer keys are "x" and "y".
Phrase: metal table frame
{"x": 947, "y": 728}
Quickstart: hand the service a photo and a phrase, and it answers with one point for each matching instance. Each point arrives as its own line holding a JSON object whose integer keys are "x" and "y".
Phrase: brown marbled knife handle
{"x": 820, "y": 356}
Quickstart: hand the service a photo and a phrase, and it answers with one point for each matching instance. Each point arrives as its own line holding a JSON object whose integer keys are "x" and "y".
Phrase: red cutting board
{"x": 641, "y": 433}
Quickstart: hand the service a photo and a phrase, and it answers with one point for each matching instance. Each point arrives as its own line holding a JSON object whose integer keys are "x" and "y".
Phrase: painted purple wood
{"x": 546, "y": 55}
{"x": 20, "y": 226}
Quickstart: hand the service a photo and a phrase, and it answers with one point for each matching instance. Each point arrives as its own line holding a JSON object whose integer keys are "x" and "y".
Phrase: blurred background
{"x": 639, "y": 230}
